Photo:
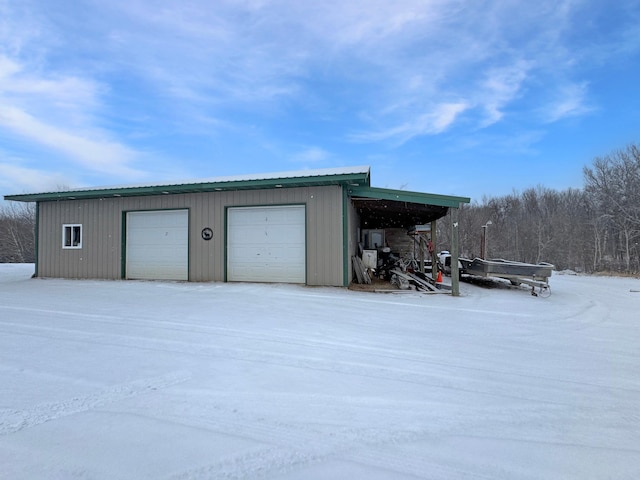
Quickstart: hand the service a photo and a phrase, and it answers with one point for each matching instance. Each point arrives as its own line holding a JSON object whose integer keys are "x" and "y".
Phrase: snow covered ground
{"x": 163, "y": 380}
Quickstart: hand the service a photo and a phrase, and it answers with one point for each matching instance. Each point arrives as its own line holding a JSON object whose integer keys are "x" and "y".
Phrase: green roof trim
{"x": 353, "y": 178}
{"x": 406, "y": 196}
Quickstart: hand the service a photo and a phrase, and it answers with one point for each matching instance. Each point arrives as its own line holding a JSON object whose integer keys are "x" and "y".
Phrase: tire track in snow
{"x": 291, "y": 339}
{"x": 288, "y": 447}
{"x": 433, "y": 378}
{"x": 12, "y": 421}
{"x": 385, "y": 458}
{"x": 293, "y": 447}
{"x": 254, "y": 464}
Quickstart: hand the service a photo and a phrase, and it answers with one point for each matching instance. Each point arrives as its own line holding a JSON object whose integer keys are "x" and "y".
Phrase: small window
{"x": 72, "y": 236}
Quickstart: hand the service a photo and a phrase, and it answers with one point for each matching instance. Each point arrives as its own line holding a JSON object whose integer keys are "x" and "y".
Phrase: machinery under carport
{"x": 380, "y": 210}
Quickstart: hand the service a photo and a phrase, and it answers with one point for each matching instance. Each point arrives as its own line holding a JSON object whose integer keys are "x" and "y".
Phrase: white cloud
{"x": 252, "y": 52}
{"x": 68, "y": 99}
{"x": 7, "y": 68}
{"x": 439, "y": 119}
{"x": 570, "y": 102}
{"x": 501, "y": 86}
{"x": 93, "y": 154}
{"x": 15, "y": 179}
{"x": 311, "y": 155}
{"x": 59, "y": 113}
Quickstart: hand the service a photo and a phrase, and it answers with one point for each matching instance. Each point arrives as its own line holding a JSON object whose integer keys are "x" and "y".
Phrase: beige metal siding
{"x": 101, "y": 219}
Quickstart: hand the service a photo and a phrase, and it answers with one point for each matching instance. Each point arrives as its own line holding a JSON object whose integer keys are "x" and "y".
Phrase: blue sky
{"x": 466, "y": 98}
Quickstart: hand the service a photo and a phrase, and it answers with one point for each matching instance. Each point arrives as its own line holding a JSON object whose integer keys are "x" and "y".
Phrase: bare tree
{"x": 613, "y": 187}
{"x": 17, "y": 233}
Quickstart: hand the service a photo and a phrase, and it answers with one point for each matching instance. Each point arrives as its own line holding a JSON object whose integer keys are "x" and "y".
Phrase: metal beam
{"x": 455, "y": 273}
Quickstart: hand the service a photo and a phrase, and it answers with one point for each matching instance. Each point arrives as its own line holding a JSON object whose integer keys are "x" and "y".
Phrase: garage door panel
{"x": 266, "y": 244}
{"x": 157, "y": 245}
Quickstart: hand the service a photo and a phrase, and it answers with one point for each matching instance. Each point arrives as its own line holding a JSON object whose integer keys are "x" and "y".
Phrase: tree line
{"x": 592, "y": 229}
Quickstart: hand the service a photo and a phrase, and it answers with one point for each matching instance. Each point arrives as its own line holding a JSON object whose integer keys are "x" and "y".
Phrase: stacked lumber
{"x": 360, "y": 270}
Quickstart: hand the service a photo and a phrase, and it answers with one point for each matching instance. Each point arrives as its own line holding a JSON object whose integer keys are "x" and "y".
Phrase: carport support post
{"x": 455, "y": 272}
{"x": 434, "y": 261}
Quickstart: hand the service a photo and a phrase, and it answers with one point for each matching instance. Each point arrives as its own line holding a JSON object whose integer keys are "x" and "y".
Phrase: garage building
{"x": 294, "y": 227}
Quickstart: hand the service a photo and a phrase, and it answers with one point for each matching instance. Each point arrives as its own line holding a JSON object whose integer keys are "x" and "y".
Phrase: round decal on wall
{"x": 207, "y": 233}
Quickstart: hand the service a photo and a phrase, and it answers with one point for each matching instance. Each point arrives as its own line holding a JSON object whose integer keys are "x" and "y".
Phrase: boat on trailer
{"x": 534, "y": 275}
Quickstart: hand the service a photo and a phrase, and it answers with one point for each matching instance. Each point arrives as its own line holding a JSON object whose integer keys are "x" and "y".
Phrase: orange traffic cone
{"x": 439, "y": 279}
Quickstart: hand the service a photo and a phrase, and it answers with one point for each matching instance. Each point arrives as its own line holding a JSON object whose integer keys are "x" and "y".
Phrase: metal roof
{"x": 385, "y": 208}
{"x": 378, "y": 207}
{"x": 351, "y": 176}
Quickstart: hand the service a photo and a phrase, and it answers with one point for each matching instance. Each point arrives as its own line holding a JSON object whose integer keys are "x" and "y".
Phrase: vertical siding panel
{"x": 108, "y": 257}
{"x": 98, "y": 242}
{"x": 117, "y": 237}
{"x": 64, "y": 254}
{"x": 207, "y": 220}
{"x": 221, "y": 199}
{"x": 82, "y": 214}
{"x": 195, "y": 269}
{"x": 341, "y": 218}
{"x": 197, "y": 222}
{"x": 325, "y": 235}
{"x": 100, "y": 257}
{"x": 59, "y": 265}
{"x": 89, "y": 254}
{"x": 329, "y": 230}
{"x": 196, "y": 244}
{"x": 48, "y": 238}
{"x": 54, "y": 227}
{"x": 85, "y": 253}
{"x": 215, "y": 219}
{"x": 56, "y": 266}
{"x": 45, "y": 240}
{"x": 325, "y": 229}
{"x": 91, "y": 257}
{"x": 108, "y": 217}
{"x": 312, "y": 238}
{"x": 77, "y": 263}
{"x": 205, "y": 250}
{"x": 107, "y": 267}
{"x": 56, "y": 245}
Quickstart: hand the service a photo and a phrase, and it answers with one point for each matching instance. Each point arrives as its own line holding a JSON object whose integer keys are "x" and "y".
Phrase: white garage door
{"x": 266, "y": 244}
{"x": 157, "y": 245}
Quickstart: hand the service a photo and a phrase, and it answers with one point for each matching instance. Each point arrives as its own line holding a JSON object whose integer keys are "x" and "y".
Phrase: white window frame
{"x": 68, "y": 241}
